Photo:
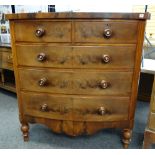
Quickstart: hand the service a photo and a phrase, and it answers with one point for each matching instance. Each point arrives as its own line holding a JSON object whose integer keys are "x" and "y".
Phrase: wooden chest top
{"x": 78, "y": 15}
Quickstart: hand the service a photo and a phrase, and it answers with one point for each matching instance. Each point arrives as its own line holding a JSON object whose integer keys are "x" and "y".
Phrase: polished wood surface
{"x": 77, "y": 15}
{"x": 75, "y": 82}
{"x": 75, "y": 108}
{"x": 54, "y": 31}
{"x": 76, "y": 56}
{"x": 89, "y": 31}
{"x": 77, "y": 72}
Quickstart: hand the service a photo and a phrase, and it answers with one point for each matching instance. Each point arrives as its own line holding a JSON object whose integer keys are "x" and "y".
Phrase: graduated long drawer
{"x": 77, "y": 108}
{"x": 112, "y": 56}
{"x": 76, "y": 81}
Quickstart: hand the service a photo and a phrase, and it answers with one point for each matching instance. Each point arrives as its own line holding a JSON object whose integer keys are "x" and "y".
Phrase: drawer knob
{"x": 107, "y": 33}
{"x": 44, "y": 108}
{"x": 41, "y": 57}
{"x": 42, "y": 82}
{"x": 83, "y": 61}
{"x": 102, "y": 111}
{"x": 9, "y": 57}
{"x": 83, "y": 85}
{"x": 106, "y": 58}
{"x": 104, "y": 84}
{"x": 40, "y": 32}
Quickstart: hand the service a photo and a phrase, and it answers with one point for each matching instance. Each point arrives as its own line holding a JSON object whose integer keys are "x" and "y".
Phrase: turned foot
{"x": 126, "y": 137}
{"x": 25, "y": 130}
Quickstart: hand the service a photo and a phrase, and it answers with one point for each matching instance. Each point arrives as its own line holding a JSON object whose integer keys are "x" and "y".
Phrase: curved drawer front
{"x": 76, "y": 82}
{"x": 75, "y": 108}
{"x": 43, "y": 31}
{"x": 44, "y": 56}
{"x": 106, "y": 32}
{"x": 76, "y": 56}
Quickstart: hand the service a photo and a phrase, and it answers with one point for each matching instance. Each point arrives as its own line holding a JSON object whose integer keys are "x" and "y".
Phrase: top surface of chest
{"x": 103, "y": 28}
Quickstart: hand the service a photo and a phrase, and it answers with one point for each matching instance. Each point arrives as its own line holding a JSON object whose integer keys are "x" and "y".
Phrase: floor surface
{"x": 42, "y": 138}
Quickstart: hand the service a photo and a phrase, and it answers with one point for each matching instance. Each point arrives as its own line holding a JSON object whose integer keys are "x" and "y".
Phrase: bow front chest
{"x": 77, "y": 73}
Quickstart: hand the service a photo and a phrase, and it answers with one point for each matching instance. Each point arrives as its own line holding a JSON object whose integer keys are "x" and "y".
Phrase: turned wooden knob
{"x": 107, "y": 33}
{"x": 105, "y": 58}
{"x": 42, "y": 82}
{"x": 84, "y": 61}
{"x": 41, "y": 57}
{"x": 40, "y": 32}
{"x": 102, "y": 111}
{"x": 104, "y": 84}
{"x": 44, "y": 107}
{"x": 83, "y": 85}
{"x": 9, "y": 57}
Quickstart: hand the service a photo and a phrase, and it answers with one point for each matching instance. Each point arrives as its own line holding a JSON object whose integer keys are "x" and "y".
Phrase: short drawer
{"x": 106, "y": 31}
{"x": 7, "y": 61}
{"x": 151, "y": 122}
{"x": 76, "y": 82}
{"x": 42, "y": 31}
{"x": 77, "y": 108}
{"x": 114, "y": 56}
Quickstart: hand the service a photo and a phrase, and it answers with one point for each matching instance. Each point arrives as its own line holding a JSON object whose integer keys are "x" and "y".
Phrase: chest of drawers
{"x": 6, "y": 68}
{"x": 77, "y": 72}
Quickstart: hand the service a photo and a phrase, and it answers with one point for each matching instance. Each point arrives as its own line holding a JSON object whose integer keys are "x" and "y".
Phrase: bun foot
{"x": 25, "y": 130}
{"x": 126, "y": 137}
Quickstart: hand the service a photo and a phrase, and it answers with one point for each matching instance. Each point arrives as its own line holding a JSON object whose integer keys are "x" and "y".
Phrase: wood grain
{"x": 79, "y": 15}
{"x": 89, "y": 31}
{"x": 73, "y": 91}
{"x": 75, "y": 108}
{"x": 76, "y": 82}
{"x": 54, "y": 31}
{"x": 76, "y": 56}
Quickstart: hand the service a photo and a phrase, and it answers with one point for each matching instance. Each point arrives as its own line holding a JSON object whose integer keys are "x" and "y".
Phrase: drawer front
{"x": 76, "y": 82}
{"x": 100, "y": 108}
{"x": 76, "y": 56}
{"x": 106, "y": 32}
{"x": 43, "y": 31}
{"x": 75, "y": 108}
{"x": 152, "y": 121}
{"x": 104, "y": 57}
{"x": 7, "y": 61}
{"x": 44, "y": 56}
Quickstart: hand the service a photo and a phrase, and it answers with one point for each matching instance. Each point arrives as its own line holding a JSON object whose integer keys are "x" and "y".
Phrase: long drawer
{"x": 75, "y": 108}
{"x": 113, "y": 56}
{"x": 43, "y": 31}
{"x": 76, "y": 82}
{"x": 106, "y": 31}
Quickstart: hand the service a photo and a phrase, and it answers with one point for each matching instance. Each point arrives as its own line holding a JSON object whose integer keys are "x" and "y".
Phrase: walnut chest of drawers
{"x": 77, "y": 72}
